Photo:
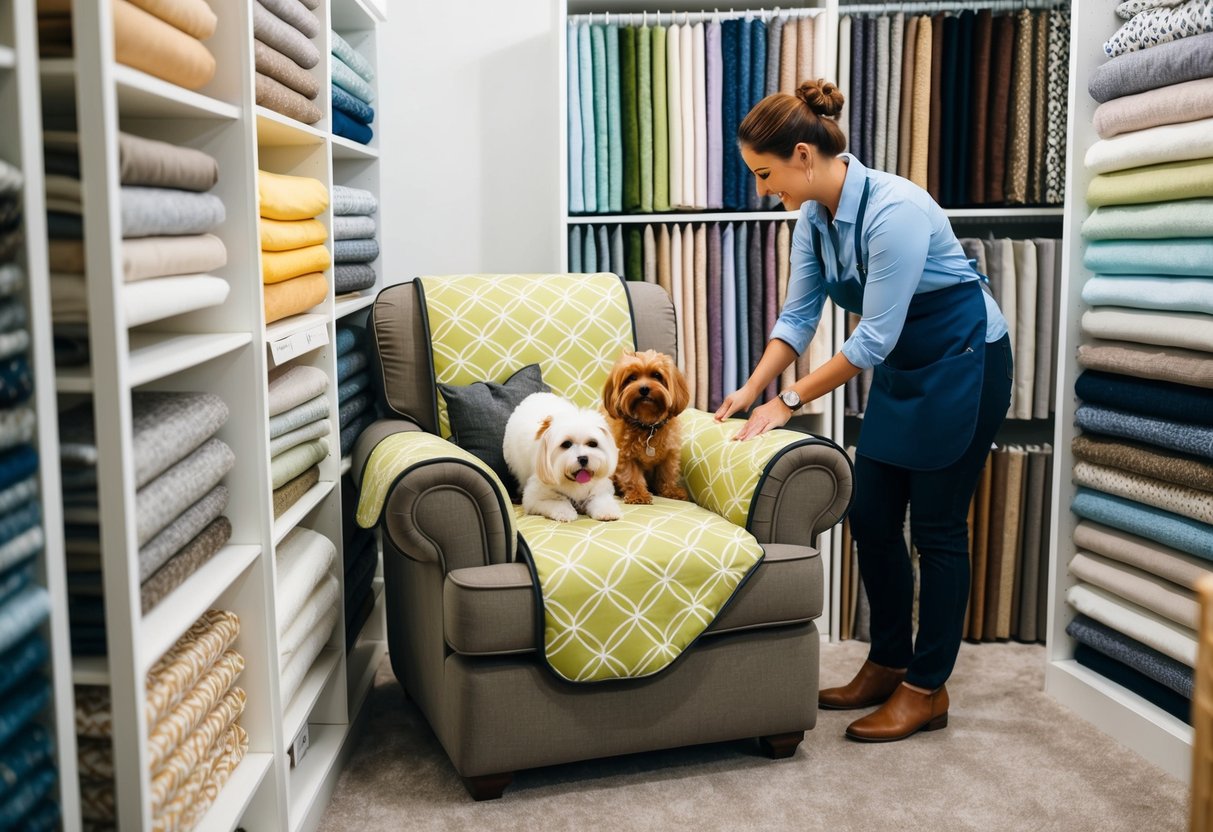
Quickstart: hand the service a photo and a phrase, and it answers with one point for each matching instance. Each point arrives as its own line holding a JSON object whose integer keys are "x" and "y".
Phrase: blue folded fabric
{"x": 22, "y": 614}
{"x": 44, "y": 817}
{"x": 353, "y": 387}
{"x": 355, "y": 108}
{"x": 1191, "y": 439}
{"x": 1116, "y": 645}
{"x": 351, "y": 432}
{"x": 20, "y": 520}
{"x": 1147, "y": 397}
{"x": 1163, "y": 527}
{"x": 348, "y": 337}
{"x": 1166, "y": 294}
{"x": 15, "y": 579}
{"x": 16, "y": 380}
{"x": 1145, "y": 687}
{"x": 21, "y": 660}
{"x": 19, "y": 758}
{"x": 1180, "y": 256}
{"x": 17, "y": 464}
{"x": 346, "y": 127}
{"x": 25, "y": 796}
{"x": 20, "y": 707}
{"x": 349, "y": 364}
{"x": 352, "y": 408}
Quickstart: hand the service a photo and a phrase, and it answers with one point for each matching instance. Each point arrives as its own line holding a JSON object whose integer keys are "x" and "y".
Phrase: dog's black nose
{"x": 644, "y": 391}
{"x": 583, "y": 461}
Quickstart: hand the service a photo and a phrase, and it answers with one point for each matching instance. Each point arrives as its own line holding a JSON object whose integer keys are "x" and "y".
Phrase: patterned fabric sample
{"x": 355, "y": 251}
{"x": 177, "y": 671}
{"x": 353, "y": 227}
{"x": 1177, "y": 499}
{"x": 283, "y": 37}
{"x": 349, "y": 201}
{"x": 189, "y": 713}
{"x": 351, "y": 81}
{"x": 274, "y": 95}
{"x": 19, "y": 759}
{"x": 352, "y": 57}
{"x": 198, "y": 794}
{"x": 271, "y": 62}
{"x": 296, "y": 14}
{"x": 1180, "y": 366}
{"x": 1161, "y": 25}
{"x": 177, "y": 769}
{"x": 289, "y": 494}
{"x": 188, "y": 525}
{"x": 185, "y": 563}
{"x": 353, "y": 277}
{"x": 1147, "y": 660}
{"x": 1142, "y": 459}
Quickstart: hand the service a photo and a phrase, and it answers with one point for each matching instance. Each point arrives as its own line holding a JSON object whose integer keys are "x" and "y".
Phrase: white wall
{"x": 468, "y": 119}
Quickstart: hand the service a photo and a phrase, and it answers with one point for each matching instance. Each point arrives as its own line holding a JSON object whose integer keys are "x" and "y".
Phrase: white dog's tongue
{"x": 582, "y": 476}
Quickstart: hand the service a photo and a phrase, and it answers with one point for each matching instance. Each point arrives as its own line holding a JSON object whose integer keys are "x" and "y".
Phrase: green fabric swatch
{"x": 601, "y": 146}
{"x": 1152, "y": 221}
{"x": 661, "y": 126}
{"x": 615, "y": 151}
{"x": 634, "y": 248}
{"x": 1153, "y": 183}
{"x": 644, "y": 68}
{"x": 631, "y": 120}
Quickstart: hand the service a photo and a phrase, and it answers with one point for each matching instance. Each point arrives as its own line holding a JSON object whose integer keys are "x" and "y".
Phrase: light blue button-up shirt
{"x": 909, "y": 246}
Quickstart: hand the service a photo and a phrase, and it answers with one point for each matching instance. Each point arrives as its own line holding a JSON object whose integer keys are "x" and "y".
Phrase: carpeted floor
{"x": 1010, "y": 759}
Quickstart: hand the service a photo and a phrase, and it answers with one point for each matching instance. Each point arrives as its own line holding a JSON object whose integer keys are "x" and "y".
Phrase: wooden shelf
{"x": 237, "y": 793}
{"x": 277, "y": 130}
{"x": 291, "y": 517}
{"x": 313, "y": 684}
{"x": 155, "y": 356}
{"x": 176, "y": 613}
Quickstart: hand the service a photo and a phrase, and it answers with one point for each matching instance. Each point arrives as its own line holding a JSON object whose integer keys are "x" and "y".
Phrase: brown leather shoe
{"x": 872, "y": 685}
{"x": 907, "y": 712}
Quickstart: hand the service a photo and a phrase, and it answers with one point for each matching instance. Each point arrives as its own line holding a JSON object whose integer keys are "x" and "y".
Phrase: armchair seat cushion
{"x": 491, "y": 610}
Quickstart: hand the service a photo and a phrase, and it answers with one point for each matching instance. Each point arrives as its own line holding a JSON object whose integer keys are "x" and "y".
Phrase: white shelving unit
{"x": 227, "y": 350}
{"x": 20, "y": 105}
{"x": 1151, "y": 732}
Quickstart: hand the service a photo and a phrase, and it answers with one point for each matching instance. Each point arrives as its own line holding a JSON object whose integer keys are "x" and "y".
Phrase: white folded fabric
{"x": 323, "y": 598}
{"x": 1172, "y": 602}
{"x": 293, "y": 385}
{"x": 305, "y": 655}
{"x": 1150, "y": 629}
{"x": 1165, "y": 143}
{"x": 1190, "y": 330}
{"x": 303, "y": 559}
{"x": 143, "y": 301}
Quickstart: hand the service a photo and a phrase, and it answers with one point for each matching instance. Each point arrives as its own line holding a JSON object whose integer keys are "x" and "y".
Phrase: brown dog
{"x": 642, "y": 398}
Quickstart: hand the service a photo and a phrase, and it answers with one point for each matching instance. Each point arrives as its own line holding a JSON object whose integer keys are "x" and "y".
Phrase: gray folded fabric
{"x": 148, "y": 162}
{"x": 276, "y": 96}
{"x": 16, "y": 426}
{"x": 185, "y": 563}
{"x": 306, "y": 433}
{"x": 1159, "y": 667}
{"x": 12, "y": 279}
{"x": 349, "y": 201}
{"x": 1181, "y": 60}
{"x": 353, "y": 408}
{"x": 277, "y": 33}
{"x": 353, "y": 227}
{"x": 310, "y": 411}
{"x": 155, "y": 212}
{"x": 293, "y": 385}
{"x": 355, "y": 251}
{"x": 290, "y": 464}
{"x": 296, "y": 14}
{"x": 173, "y": 538}
{"x": 165, "y": 497}
{"x": 271, "y": 62}
{"x": 352, "y": 277}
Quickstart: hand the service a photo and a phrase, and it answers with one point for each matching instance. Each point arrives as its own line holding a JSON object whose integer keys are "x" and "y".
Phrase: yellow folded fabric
{"x": 145, "y": 42}
{"x": 290, "y": 197}
{"x": 1153, "y": 183}
{"x": 284, "y": 235}
{"x": 194, "y": 17}
{"x": 291, "y": 297}
{"x": 277, "y": 266}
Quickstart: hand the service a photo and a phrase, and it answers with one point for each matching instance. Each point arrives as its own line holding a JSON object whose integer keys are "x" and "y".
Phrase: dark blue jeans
{"x": 939, "y": 508}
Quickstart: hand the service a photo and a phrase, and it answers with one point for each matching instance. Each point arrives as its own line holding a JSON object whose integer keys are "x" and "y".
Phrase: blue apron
{"x": 922, "y": 408}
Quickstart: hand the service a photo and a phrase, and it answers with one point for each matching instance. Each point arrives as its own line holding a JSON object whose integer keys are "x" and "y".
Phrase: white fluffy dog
{"x": 564, "y": 457}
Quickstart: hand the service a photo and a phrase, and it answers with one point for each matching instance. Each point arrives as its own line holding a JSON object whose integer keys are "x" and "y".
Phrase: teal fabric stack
{"x": 355, "y": 398}
{"x": 353, "y": 94}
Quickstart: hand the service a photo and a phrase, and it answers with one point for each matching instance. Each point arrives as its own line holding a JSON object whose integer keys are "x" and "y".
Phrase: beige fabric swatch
{"x": 145, "y": 42}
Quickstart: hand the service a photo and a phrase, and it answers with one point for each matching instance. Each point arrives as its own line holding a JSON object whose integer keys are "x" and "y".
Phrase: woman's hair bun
{"x": 822, "y": 97}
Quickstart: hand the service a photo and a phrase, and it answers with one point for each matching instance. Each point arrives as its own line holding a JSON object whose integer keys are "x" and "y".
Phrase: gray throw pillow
{"x": 479, "y": 411}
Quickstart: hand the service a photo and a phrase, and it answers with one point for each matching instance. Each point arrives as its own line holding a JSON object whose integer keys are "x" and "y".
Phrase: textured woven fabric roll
{"x": 1177, "y": 499}
{"x": 1151, "y": 221}
{"x": 1142, "y": 459}
{"x": 152, "y": 212}
{"x": 354, "y": 386}
{"x": 354, "y": 407}
{"x": 292, "y": 491}
{"x": 185, "y": 563}
{"x": 22, "y": 614}
{"x": 349, "y": 201}
{"x": 1161, "y": 23}
{"x": 1146, "y": 660}
{"x": 1186, "y": 101}
{"x": 353, "y": 277}
{"x": 1172, "y": 602}
{"x": 172, "y": 676}
{"x": 294, "y": 384}
{"x": 277, "y": 266}
{"x": 176, "y": 535}
{"x": 290, "y": 197}
{"x": 284, "y": 235}
{"x": 306, "y": 433}
{"x": 1191, "y": 439}
{"x": 269, "y": 61}
{"x": 185, "y": 717}
{"x": 1144, "y": 521}
{"x": 352, "y": 58}
{"x": 1170, "y": 63}
{"x": 296, "y": 14}
{"x": 290, "y": 464}
{"x": 1161, "y": 399}
{"x": 1153, "y": 183}
{"x": 149, "y": 44}
{"x": 353, "y": 227}
{"x": 356, "y": 109}
{"x": 309, "y": 411}
{"x": 1134, "y": 621}
{"x": 274, "y": 95}
{"x": 348, "y": 365}
{"x": 282, "y": 36}
{"x": 290, "y": 297}
{"x": 163, "y": 499}
{"x": 351, "y": 82}
{"x": 1167, "y": 364}
{"x": 185, "y": 760}
{"x": 1186, "y": 330}
{"x": 350, "y": 128}
{"x": 351, "y": 432}
{"x": 355, "y": 251}
{"x": 1149, "y": 556}
{"x": 1138, "y": 683}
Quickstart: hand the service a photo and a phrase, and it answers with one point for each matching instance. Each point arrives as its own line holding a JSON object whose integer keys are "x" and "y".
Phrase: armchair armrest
{"x": 783, "y": 486}
{"x": 437, "y": 502}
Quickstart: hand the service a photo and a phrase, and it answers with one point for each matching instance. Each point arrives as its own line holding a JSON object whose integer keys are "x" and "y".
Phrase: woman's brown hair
{"x": 780, "y": 121}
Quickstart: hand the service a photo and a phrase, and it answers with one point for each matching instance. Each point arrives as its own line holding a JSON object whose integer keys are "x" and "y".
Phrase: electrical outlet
{"x": 298, "y": 749}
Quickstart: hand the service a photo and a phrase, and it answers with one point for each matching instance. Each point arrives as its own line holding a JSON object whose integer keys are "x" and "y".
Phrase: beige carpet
{"x": 1010, "y": 759}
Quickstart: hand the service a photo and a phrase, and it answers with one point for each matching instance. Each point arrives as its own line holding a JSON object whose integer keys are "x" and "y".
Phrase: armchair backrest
{"x": 463, "y": 328}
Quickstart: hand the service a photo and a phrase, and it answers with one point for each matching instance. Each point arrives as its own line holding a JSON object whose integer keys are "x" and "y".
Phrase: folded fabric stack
{"x": 354, "y": 231}
{"x": 194, "y": 740}
{"x": 352, "y": 92}
{"x": 167, "y": 251}
{"x": 179, "y": 502}
{"x": 286, "y": 56}
{"x": 1143, "y": 463}
{"x": 308, "y": 598}
{"x": 727, "y": 281}
{"x": 160, "y": 38}
{"x": 293, "y": 255}
{"x": 355, "y": 399}
{"x": 360, "y": 553}
{"x": 27, "y": 765}
{"x": 299, "y": 430}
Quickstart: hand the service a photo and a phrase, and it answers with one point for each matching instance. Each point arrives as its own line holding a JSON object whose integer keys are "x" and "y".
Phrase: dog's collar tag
{"x": 649, "y": 450}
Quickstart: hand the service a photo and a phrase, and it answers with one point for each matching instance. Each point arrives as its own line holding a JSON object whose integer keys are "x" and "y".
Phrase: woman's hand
{"x": 737, "y": 400}
{"x": 773, "y": 414}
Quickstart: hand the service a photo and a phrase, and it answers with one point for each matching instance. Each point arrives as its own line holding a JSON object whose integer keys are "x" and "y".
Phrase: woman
{"x": 879, "y": 246}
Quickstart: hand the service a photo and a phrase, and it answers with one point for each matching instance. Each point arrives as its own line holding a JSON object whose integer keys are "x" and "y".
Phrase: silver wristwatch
{"x": 791, "y": 398}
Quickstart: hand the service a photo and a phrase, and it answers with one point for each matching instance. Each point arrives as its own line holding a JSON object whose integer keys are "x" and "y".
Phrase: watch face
{"x": 790, "y": 398}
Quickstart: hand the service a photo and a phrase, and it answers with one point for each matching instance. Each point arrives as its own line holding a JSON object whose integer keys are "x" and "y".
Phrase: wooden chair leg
{"x": 779, "y": 746}
{"x": 489, "y": 786}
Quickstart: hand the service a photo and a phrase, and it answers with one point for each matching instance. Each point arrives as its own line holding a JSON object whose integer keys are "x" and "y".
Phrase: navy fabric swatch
{"x": 1148, "y": 397}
